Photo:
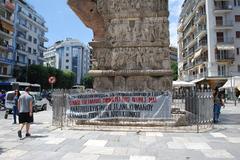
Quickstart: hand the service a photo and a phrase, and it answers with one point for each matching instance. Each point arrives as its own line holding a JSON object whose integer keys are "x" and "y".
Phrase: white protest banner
{"x": 120, "y": 105}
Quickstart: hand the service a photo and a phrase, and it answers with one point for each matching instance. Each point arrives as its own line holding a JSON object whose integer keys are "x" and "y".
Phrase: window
{"x": 30, "y": 38}
{"x": 29, "y": 61}
{"x": 34, "y": 51}
{"x": 19, "y": 9}
{"x": 29, "y": 50}
{"x": 67, "y": 54}
{"x": 67, "y": 67}
{"x": 221, "y": 70}
{"x": 238, "y": 34}
{"x": 219, "y": 21}
{"x": 30, "y": 26}
{"x": 67, "y": 60}
{"x": 220, "y": 37}
{"x": 35, "y": 29}
{"x": 236, "y": 2}
{"x": 35, "y": 41}
{"x": 237, "y": 51}
{"x": 67, "y": 48}
{"x": 237, "y": 18}
{"x": 238, "y": 68}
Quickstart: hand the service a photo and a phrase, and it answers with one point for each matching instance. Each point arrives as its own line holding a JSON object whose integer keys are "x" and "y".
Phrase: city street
{"x": 48, "y": 142}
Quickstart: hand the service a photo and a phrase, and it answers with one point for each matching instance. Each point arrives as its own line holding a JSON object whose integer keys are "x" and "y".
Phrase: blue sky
{"x": 62, "y": 21}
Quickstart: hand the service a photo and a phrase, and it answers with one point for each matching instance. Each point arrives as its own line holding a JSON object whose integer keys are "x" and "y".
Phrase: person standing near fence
{"x": 25, "y": 107}
{"x": 15, "y": 107}
{"x": 218, "y": 103}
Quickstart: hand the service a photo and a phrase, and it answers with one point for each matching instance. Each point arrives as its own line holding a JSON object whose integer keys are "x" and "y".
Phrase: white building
{"x": 29, "y": 36}
{"x": 209, "y": 41}
{"x": 71, "y": 55}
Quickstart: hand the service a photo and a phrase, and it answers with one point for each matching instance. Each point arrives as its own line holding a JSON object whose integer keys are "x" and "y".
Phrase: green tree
{"x": 87, "y": 81}
{"x": 40, "y": 74}
{"x": 174, "y": 67}
{"x": 68, "y": 79}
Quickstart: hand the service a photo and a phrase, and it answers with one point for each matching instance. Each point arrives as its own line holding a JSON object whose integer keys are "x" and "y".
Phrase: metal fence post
{"x": 62, "y": 105}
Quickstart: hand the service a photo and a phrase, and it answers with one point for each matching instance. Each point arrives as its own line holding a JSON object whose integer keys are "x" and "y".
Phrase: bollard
{"x": 6, "y": 114}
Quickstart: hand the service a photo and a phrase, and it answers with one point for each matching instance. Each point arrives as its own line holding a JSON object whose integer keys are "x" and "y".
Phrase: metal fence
{"x": 191, "y": 111}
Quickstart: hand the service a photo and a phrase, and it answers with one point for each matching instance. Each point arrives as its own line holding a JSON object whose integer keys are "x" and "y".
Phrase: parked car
{"x": 9, "y": 100}
{"x": 39, "y": 103}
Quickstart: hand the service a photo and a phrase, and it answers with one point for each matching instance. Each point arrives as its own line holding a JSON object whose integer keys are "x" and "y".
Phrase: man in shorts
{"x": 25, "y": 108}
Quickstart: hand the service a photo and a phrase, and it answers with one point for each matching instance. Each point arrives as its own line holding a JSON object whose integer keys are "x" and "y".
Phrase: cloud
{"x": 175, "y": 10}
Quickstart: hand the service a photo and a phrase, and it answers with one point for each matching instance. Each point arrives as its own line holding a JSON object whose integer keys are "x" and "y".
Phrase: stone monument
{"x": 130, "y": 45}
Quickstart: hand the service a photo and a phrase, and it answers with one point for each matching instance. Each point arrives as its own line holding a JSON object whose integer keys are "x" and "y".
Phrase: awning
{"x": 233, "y": 82}
{"x": 182, "y": 84}
{"x": 197, "y": 54}
{"x": 198, "y": 80}
{"x": 225, "y": 47}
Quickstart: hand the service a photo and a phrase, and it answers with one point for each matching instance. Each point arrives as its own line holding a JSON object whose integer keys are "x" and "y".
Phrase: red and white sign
{"x": 52, "y": 80}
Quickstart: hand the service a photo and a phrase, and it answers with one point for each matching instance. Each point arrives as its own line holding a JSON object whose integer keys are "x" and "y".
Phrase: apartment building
{"x": 69, "y": 54}
{"x": 6, "y": 37}
{"x": 173, "y": 54}
{"x": 209, "y": 41}
{"x": 29, "y": 36}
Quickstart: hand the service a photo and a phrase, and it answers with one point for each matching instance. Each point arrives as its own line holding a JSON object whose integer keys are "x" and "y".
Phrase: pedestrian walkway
{"x": 49, "y": 143}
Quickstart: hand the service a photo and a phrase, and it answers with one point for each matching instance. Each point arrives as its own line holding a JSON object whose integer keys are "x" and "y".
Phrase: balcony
{"x": 197, "y": 77}
{"x": 191, "y": 43}
{"x": 180, "y": 27}
{"x": 225, "y": 43}
{"x": 22, "y": 38}
{"x": 202, "y": 45}
{"x": 22, "y": 27}
{"x": 42, "y": 59}
{"x": 40, "y": 25}
{"x": 6, "y": 34}
{"x": 201, "y": 32}
{"x": 226, "y": 57}
{"x": 190, "y": 31}
{"x": 42, "y": 48}
{"x": 200, "y": 3}
{"x": 6, "y": 47}
{"x": 223, "y": 8}
{"x": 221, "y": 40}
{"x": 201, "y": 17}
{"x": 45, "y": 39}
{"x": 6, "y": 60}
{"x": 22, "y": 51}
{"x": 220, "y": 25}
{"x": 7, "y": 20}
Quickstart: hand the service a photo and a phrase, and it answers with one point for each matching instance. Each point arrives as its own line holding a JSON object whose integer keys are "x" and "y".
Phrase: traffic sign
{"x": 52, "y": 80}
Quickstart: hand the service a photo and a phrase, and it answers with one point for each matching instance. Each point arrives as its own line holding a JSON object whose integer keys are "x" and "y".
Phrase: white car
{"x": 38, "y": 102}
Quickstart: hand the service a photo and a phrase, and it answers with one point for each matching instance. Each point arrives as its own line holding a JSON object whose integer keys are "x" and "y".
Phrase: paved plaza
{"x": 50, "y": 143}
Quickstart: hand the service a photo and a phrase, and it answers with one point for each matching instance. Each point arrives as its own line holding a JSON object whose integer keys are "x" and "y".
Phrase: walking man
{"x": 25, "y": 108}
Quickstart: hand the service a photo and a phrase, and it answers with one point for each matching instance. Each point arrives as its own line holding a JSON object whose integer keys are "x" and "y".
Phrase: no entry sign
{"x": 52, "y": 80}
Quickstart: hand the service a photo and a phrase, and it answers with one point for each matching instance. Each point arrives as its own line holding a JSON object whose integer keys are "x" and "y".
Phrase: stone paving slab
{"x": 52, "y": 143}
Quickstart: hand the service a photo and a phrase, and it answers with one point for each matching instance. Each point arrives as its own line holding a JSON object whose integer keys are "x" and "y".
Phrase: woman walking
{"x": 15, "y": 107}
